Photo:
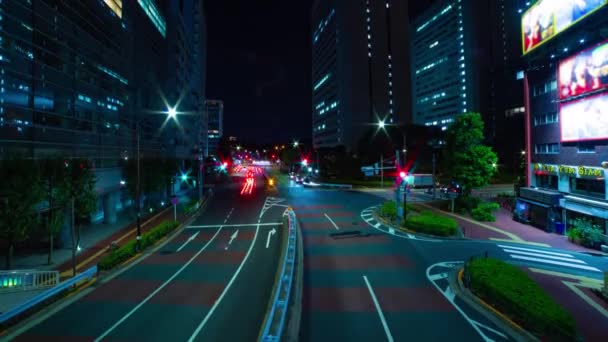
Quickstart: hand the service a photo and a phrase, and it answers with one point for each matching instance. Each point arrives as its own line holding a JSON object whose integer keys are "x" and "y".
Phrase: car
{"x": 299, "y": 180}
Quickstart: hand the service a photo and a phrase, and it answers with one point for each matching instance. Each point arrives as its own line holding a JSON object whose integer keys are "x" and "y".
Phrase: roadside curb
{"x": 415, "y": 233}
{"x": 489, "y": 312}
{"x": 292, "y": 333}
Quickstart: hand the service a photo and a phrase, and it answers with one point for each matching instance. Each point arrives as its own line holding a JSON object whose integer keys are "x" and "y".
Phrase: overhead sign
{"x": 547, "y": 18}
{"x": 584, "y": 72}
{"x": 585, "y": 119}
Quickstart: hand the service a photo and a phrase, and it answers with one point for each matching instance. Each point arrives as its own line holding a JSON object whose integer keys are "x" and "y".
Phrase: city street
{"x": 389, "y": 285}
{"x": 218, "y": 270}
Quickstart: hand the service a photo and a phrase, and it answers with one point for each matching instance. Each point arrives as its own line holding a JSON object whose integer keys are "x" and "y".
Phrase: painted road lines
{"x": 235, "y": 225}
{"x": 440, "y": 281}
{"x": 389, "y": 336}
{"x": 188, "y": 241}
{"x": 125, "y": 317}
{"x": 332, "y": 222}
{"x": 219, "y": 300}
{"x": 546, "y": 257}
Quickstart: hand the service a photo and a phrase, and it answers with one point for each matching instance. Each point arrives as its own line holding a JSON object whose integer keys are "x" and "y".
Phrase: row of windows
{"x": 545, "y": 119}
{"x": 582, "y": 186}
{"x": 151, "y": 10}
{"x": 545, "y": 88}
{"x": 552, "y": 148}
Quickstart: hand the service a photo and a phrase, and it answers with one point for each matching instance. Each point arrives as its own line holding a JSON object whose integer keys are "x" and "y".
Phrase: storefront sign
{"x": 570, "y": 171}
{"x": 545, "y": 168}
{"x": 567, "y": 170}
{"x": 590, "y": 172}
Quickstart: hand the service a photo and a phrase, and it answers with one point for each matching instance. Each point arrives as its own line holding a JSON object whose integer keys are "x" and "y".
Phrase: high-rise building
{"x": 450, "y": 61}
{"x": 565, "y": 47}
{"x": 215, "y": 125}
{"x": 76, "y": 77}
{"x": 360, "y": 69}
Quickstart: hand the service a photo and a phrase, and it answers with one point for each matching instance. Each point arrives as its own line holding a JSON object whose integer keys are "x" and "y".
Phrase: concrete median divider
{"x": 281, "y": 317}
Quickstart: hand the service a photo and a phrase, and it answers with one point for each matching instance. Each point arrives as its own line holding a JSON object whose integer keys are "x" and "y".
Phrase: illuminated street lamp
{"x": 381, "y": 124}
{"x": 295, "y": 143}
{"x": 172, "y": 112}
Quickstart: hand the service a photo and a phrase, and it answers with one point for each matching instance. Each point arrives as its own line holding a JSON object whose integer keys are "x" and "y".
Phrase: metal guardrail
{"x": 88, "y": 274}
{"x": 24, "y": 280}
{"x": 276, "y": 319}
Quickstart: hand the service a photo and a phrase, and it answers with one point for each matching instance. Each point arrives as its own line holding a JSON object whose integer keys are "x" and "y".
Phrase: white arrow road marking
{"x": 232, "y": 237}
{"x": 270, "y": 233}
{"x": 188, "y": 241}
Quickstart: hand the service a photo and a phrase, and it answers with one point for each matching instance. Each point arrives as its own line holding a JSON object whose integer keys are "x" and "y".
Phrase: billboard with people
{"x": 584, "y": 72}
{"x": 546, "y": 18}
{"x": 585, "y": 119}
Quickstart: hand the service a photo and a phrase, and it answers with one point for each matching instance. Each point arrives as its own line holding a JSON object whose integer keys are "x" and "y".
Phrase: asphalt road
{"x": 212, "y": 282}
{"x": 393, "y": 287}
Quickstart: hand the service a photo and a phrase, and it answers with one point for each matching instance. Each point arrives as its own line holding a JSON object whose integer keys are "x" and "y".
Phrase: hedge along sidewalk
{"x": 129, "y": 250}
{"x": 514, "y": 296}
{"x": 424, "y": 222}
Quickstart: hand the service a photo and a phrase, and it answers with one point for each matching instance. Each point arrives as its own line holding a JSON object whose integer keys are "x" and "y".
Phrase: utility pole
{"x": 434, "y": 183}
{"x": 73, "y": 240}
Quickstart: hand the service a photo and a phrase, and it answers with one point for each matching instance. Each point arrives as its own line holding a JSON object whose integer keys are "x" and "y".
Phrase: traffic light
{"x": 304, "y": 161}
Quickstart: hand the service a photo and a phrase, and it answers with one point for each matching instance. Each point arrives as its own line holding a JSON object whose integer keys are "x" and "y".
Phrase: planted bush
{"x": 430, "y": 223}
{"x": 388, "y": 210}
{"x": 515, "y": 294}
{"x": 485, "y": 212}
{"x": 465, "y": 205}
{"x": 129, "y": 250}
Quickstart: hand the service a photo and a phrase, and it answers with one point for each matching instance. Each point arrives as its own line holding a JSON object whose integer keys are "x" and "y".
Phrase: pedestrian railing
{"x": 276, "y": 319}
{"x": 50, "y": 293}
{"x": 24, "y": 280}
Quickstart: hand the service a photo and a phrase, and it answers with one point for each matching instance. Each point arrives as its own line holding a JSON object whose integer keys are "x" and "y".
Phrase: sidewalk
{"x": 506, "y": 229}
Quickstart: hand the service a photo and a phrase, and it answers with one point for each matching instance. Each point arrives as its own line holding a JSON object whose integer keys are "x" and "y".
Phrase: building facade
{"x": 451, "y": 61}
{"x": 566, "y": 54}
{"x": 77, "y": 77}
{"x": 360, "y": 69}
{"x": 215, "y": 114}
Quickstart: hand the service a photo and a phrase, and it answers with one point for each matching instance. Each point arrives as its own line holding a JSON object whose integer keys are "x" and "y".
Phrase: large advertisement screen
{"x": 584, "y": 72}
{"x": 546, "y": 18}
{"x": 585, "y": 119}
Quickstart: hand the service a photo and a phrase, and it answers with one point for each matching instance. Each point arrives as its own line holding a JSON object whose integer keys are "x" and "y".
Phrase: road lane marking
{"x": 332, "y": 222}
{"x": 586, "y": 298}
{"x": 377, "y": 225}
{"x": 270, "y": 233}
{"x": 232, "y": 237}
{"x": 583, "y": 267}
{"x": 235, "y": 225}
{"x": 219, "y": 300}
{"x": 438, "y": 276}
{"x": 571, "y": 259}
{"x": 125, "y": 317}
{"x": 568, "y": 275}
{"x": 389, "y": 336}
{"x": 188, "y": 241}
{"x": 535, "y": 250}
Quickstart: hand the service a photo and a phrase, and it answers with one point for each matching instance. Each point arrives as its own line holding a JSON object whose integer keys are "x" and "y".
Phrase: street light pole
{"x": 138, "y": 190}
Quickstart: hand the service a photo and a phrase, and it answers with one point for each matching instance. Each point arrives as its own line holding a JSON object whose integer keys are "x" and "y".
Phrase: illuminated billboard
{"x": 584, "y": 72}
{"x": 585, "y": 119}
{"x": 546, "y": 18}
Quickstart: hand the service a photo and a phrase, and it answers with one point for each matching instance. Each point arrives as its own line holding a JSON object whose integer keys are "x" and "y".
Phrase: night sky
{"x": 259, "y": 65}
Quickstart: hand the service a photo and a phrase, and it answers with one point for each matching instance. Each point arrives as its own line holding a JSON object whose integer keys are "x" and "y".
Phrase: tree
{"x": 84, "y": 199}
{"x": 56, "y": 187}
{"x": 20, "y": 192}
{"x": 469, "y": 162}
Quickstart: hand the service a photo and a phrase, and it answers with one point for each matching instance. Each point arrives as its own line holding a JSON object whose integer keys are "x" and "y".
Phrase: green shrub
{"x": 465, "y": 205}
{"x": 388, "y": 210}
{"x": 127, "y": 251}
{"x": 590, "y": 234}
{"x": 484, "y": 212}
{"x": 430, "y": 223}
{"x": 511, "y": 291}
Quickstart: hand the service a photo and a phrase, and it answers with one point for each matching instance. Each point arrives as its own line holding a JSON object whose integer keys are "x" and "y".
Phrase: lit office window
{"x": 151, "y": 10}
{"x": 115, "y": 6}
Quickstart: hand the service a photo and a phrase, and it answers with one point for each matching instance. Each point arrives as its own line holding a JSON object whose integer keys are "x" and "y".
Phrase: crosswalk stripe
{"x": 545, "y": 256}
{"x": 535, "y": 250}
{"x": 553, "y": 262}
{"x": 377, "y": 225}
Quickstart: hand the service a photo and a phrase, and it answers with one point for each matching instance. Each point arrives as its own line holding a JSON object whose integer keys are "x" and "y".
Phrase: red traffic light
{"x": 402, "y": 174}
